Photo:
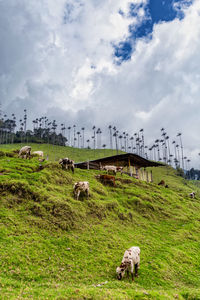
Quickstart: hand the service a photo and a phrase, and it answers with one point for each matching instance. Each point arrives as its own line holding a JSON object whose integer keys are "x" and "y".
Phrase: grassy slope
{"x": 40, "y": 220}
{"x": 55, "y": 152}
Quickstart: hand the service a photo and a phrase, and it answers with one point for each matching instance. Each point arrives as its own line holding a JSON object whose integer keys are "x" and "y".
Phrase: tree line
{"x": 46, "y": 131}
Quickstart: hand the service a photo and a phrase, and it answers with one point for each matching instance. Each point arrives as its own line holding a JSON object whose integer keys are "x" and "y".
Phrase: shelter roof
{"x": 120, "y": 160}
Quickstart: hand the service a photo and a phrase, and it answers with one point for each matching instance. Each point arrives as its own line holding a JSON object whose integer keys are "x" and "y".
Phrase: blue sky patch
{"x": 156, "y": 11}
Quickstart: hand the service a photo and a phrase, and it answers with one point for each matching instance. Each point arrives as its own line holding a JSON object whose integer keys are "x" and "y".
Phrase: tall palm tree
{"x": 110, "y": 130}
{"x": 104, "y": 147}
{"x": 178, "y": 155}
{"x": 115, "y": 136}
{"x": 78, "y": 133}
{"x": 182, "y": 157}
{"x": 94, "y": 136}
{"x": 120, "y": 140}
{"x": 69, "y": 135}
{"x": 74, "y": 126}
{"x": 142, "y": 142}
{"x": 175, "y": 154}
{"x": 169, "y": 154}
{"x": 131, "y": 139}
{"x": 83, "y": 132}
{"x": 88, "y": 142}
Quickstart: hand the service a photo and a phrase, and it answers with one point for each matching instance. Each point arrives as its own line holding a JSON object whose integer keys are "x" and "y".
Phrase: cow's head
{"x": 121, "y": 271}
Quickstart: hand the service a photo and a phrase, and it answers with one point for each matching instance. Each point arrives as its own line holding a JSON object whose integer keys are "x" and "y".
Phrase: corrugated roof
{"x": 120, "y": 160}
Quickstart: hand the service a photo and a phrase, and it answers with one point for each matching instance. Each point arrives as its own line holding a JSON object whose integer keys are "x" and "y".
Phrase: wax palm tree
{"x": 78, "y": 133}
{"x": 88, "y": 142}
{"x": 131, "y": 139}
{"x": 74, "y": 126}
{"x": 69, "y": 135}
{"x": 83, "y": 135}
{"x": 94, "y": 136}
{"x": 142, "y": 141}
{"x": 110, "y": 131}
{"x": 169, "y": 154}
{"x": 104, "y": 147}
{"x": 182, "y": 156}
{"x": 120, "y": 140}
{"x": 178, "y": 155}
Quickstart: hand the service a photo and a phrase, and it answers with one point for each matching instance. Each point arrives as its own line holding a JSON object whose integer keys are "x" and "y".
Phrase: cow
{"x": 110, "y": 169}
{"x": 130, "y": 261}
{"x": 81, "y": 187}
{"x": 192, "y": 195}
{"x": 120, "y": 169}
{"x": 25, "y": 151}
{"x": 39, "y": 153}
{"x": 67, "y": 164}
{"x": 162, "y": 182}
{"x": 107, "y": 179}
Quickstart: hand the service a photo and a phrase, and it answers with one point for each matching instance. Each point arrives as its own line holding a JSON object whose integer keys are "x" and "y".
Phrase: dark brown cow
{"x": 107, "y": 179}
{"x": 162, "y": 182}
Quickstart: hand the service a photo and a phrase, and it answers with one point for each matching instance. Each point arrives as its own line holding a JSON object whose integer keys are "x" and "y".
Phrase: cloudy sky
{"x": 133, "y": 64}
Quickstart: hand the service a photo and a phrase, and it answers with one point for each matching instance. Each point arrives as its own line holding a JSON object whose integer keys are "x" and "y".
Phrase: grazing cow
{"x": 110, "y": 169}
{"x": 67, "y": 164}
{"x": 39, "y": 153}
{"x": 120, "y": 169}
{"x": 192, "y": 195}
{"x": 25, "y": 151}
{"x": 79, "y": 187}
{"x": 162, "y": 182}
{"x": 130, "y": 261}
{"x": 107, "y": 179}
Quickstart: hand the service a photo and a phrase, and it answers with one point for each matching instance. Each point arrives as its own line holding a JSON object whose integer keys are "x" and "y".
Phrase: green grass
{"x": 54, "y": 247}
{"x": 55, "y": 152}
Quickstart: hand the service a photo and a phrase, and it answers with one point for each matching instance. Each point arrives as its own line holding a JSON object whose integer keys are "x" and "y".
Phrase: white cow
{"x": 81, "y": 186}
{"x": 110, "y": 169}
{"x": 25, "y": 151}
{"x": 192, "y": 195}
{"x": 39, "y": 153}
{"x": 130, "y": 261}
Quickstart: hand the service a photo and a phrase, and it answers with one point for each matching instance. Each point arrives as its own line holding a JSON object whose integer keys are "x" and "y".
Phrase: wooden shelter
{"x": 133, "y": 164}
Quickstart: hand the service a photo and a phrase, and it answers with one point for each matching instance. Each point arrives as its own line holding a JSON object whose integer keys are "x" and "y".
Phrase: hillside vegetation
{"x": 54, "y": 247}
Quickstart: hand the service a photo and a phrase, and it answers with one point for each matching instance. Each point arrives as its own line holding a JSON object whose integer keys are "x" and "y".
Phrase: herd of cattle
{"x": 68, "y": 164}
{"x": 83, "y": 186}
{"x": 131, "y": 258}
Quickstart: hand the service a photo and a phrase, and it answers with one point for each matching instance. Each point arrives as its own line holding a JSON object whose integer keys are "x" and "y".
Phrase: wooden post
{"x": 88, "y": 165}
{"x": 129, "y": 166}
{"x": 147, "y": 176}
{"x": 151, "y": 176}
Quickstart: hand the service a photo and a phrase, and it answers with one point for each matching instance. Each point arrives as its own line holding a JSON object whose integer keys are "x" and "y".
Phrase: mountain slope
{"x": 55, "y": 247}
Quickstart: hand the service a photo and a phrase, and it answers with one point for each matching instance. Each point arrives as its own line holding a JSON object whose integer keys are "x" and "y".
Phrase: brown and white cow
{"x": 81, "y": 187}
{"x": 25, "y": 151}
{"x": 67, "y": 164}
{"x": 130, "y": 261}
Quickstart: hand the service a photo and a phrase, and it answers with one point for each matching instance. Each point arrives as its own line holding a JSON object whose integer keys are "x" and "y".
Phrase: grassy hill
{"x": 55, "y": 152}
{"x": 54, "y": 247}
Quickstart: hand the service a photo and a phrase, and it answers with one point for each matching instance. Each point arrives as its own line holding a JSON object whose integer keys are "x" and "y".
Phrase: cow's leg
{"x": 128, "y": 273}
{"x": 132, "y": 275}
{"x": 136, "y": 270}
{"x": 87, "y": 194}
{"x": 78, "y": 193}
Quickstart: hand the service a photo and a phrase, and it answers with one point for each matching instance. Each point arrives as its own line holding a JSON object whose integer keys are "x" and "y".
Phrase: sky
{"x": 132, "y": 64}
